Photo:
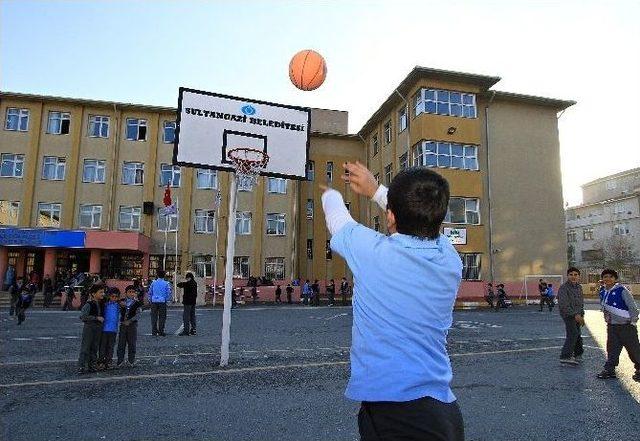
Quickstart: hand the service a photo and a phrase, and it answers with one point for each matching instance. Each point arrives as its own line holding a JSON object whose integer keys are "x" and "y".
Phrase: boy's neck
{"x": 610, "y": 286}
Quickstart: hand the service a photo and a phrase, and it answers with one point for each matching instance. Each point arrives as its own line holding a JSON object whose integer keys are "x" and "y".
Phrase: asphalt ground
{"x": 289, "y": 367}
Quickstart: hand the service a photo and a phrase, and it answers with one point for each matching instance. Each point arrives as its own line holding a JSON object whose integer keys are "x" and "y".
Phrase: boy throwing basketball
{"x": 404, "y": 291}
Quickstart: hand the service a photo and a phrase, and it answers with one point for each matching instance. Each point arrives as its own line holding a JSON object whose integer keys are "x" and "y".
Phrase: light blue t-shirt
{"x": 404, "y": 292}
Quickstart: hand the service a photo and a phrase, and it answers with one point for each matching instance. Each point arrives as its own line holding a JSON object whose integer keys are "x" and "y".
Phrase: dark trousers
{"x": 344, "y": 298}
{"x": 20, "y": 312}
{"x": 48, "y": 298}
{"x": 331, "y": 296}
{"x": 14, "y": 300}
{"x": 548, "y": 301}
{"x": 573, "y": 341}
{"x": 289, "y": 298}
{"x": 107, "y": 343}
{"x": 90, "y": 344}
{"x": 618, "y": 337}
{"x": 158, "y": 317}
{"x": 424, "y": 419}
{"x": 188, "y": 318}
{"x": 315, "y": 300}
{"x": 128, "y": 338}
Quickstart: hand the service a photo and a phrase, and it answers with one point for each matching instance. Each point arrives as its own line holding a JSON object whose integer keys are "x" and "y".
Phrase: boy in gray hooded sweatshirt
{"x": 571, "y": 307}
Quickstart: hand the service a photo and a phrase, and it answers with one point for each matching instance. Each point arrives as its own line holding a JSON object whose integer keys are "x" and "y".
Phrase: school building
{"x": 82, "y": 183}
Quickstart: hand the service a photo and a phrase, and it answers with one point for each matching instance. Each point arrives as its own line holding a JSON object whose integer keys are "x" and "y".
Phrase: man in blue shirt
{"x": 159, "y": 295}
{"x": 405, "y": 286}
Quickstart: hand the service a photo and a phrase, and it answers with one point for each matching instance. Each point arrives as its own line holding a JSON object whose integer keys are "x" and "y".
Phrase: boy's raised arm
{"x": 336, "y": 213}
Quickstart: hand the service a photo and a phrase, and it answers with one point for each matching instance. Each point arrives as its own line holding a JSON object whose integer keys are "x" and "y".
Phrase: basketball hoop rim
{"x": 235, "y": 159}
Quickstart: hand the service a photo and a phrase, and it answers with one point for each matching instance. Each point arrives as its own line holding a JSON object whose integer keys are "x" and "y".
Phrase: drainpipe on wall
{"x": 114, "y": 170}
{"x": 406, "y": 106}
{"x": 486, "y": 128}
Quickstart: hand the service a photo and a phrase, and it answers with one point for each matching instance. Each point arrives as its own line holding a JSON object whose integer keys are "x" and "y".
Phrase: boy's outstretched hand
{"x": 360, "y": 179}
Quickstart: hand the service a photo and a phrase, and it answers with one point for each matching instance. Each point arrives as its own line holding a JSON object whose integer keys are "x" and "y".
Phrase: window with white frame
{"x": 136, "y": 129}
{"x": 206, "y": 179}
{"x": 203, "y": 265}
{"x": 309, "y": 208}
{"x": 277, "y": 185}
{"x": 205, "y": 221}
{"x": 376, "y": 223}
{"x": 17, "y": 119}
{"x": 374, "y": 144}
{"x": 170, "y": 174}
{"x": 621, "y": 229}
{"x": 167, "y": 222}
{"x": 587, "y": 234}
{"x": 53, "y": 168}
{"x": 463, "y": 211}
{"x": 445, "y": 102}
{"x": 310, "y": 170}
{"x": 310, "y": 249}
{"x": 12, "y": 165}
{"x": 245, "y": 183}
{"x": 276, "y": 224}
{"x": 98, "y": 126}
{"x": 93, "y": 171}
{"x": 132, "y": 173}
{"x": 49, "y": 214}
{"x": 619, "y": 208}
{"x": 9, "y": 212}
{"x": 274, "y": 268}
{"x": 387, "y": 174}
{"x": 446, "y": 155}
{"x": 243, "y": 222}
{"x": 169, "y": 134}
{"x": 129, "y": 218}
{"x": 241, "y": 268}
{"x": 59, "y": 123}
{"x": 612, "y": 184}
{"x": 330, "y": 171}
{"x": 470, "y": 266}
{"x": 90, "y": 216}
{"x": 403, "y": 161}
{"x": 402, "y": 119}
{"x": 387, "y": 132}
{"x": 572, "y": 236}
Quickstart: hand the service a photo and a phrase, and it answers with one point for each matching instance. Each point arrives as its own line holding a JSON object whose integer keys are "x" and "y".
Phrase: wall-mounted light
{"x": 452, "y": 130}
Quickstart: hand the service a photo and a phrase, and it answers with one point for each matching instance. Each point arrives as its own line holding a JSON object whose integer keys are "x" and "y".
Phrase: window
{"x": 53, "y": 168}
{"x": 387, "y": 132}
{"x": 245, "y": 184}
{"x": 12, "y": 165}
{"x": 276, "y": 225}
{"x": 572, "y": 236}
{"x": 310, "y": 249}
{"x": 206, "y": 179}
{"x": 377, "y": 178}
{"x": 619, "y": 208}
{"x": 327, "y": 250}
{"x": 129, "y": 218}
{"x": 9, "y": 211}
{"x": 621, "y": 229}
{"x": 403, "y": 161}
{"x": 329, "y": 171}
{"x": 167, "y": 222}
{"x": 374, "y": 144}
{"x": 127, "y": 265}
{"x": 243, "y": 222}
{"x": 49, "y": 214}
{"x": 274, "y": 268}
{"x": 589, "y": 255}
{"x": 376, "y": 223}
{"x": 59, "y": 123}
{"x": 309, "y": 208}
{"x": 169, "y": 174}
{"x": 90, "y": 216}
{"x": 611, "y": 185}
{"x": 17, "y": 119}
{"x": 203, "y": 265}
{"x": 205, "y": 221}
{"x": 132, "y": 173}
{"x": 136, "y": 129}
{"x": 470, "y": 266}
{"x": 402, "y": 119}
{"x": 310, "y": 171}
{"x": 387, "y": 175}
{"x": 93, "y": 171}
{"x": 463, "y": 211}
{"x": 169, "y": 134}
{"x": 277, "y": 185}
{"x": 445, "y": 102}
{"x": 587, "y": 234}
{"x": 446, "y": 154}
{"x": 241, "y": 269}
{"x": 98, "y": 126}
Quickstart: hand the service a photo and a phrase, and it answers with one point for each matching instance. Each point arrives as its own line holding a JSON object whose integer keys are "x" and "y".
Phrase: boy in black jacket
{"x": 24, "y": 301}
{"x": 92, "y": 316}
{"x": 129, "y": 308}
{"x": 189, "y": 296}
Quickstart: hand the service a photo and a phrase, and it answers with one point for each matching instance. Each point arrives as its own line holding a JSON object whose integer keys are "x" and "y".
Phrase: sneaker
{"x": 82, "y": 371}
{"x": 578, "y": 359}
{"x": 605, "y": 374}
{"x": 119, "y": 364}
{"x": 162, "y": 334}
{"x": 636, "y": 376}
{"x": 193, "y": 332}
{"x": 154, "y": 333}
{"x": 184, "y": 333}
{"x": 569, "y": 361}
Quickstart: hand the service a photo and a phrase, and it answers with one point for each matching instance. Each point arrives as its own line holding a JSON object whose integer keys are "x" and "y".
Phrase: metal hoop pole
{"x": 228, "y": 279}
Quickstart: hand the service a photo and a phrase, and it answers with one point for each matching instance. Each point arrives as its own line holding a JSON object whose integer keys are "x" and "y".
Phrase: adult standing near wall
{"x": 47, "y": 290}
{"x": 159, "y": 295}
{"x": 344, "y": 289}
{"x": 189, "y": 297}
{"x": 571, "y": 306}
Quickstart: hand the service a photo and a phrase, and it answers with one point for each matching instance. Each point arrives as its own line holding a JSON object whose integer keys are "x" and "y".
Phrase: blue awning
{"x": 39, "y": 237}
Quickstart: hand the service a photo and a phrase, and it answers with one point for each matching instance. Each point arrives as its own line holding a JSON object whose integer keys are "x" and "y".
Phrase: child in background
{"x": 24, "y": 301}
{"x": 550, "y": 297}
{"x": 91, "y": 315}
{"x": 109, "y": 328}
{"x": 129, "y": 307}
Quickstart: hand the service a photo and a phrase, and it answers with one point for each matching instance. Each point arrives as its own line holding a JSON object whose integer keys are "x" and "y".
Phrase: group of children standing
{"x": 105, "y": 319}
{"x": 498, "y": 299}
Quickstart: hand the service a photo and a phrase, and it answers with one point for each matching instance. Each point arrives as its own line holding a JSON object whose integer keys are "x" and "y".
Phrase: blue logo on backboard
{"x": 248, "y": 110}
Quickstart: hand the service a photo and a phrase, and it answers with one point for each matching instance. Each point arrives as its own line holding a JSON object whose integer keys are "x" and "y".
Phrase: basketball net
{"x": 248, "y": 164}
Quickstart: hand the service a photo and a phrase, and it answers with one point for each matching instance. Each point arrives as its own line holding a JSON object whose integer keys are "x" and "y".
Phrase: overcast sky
{"x": 142, "y": 51}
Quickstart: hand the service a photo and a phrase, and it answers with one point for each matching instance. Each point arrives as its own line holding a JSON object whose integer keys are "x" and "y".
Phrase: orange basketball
{"x": 307, "y": 70}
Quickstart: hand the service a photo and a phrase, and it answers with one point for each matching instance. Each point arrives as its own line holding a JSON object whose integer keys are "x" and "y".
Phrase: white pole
{"x": 216, "y": 206}
{"x": 164, "y": 257}
{"x": 228, "y": 278}
{"x": 175, "y": 262}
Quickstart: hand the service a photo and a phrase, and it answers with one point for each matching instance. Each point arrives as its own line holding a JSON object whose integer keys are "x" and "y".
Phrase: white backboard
{"x": 210, "y": 124}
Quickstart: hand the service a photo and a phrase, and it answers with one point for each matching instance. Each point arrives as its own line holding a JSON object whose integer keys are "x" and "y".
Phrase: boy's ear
{"x": 391, "y": 221}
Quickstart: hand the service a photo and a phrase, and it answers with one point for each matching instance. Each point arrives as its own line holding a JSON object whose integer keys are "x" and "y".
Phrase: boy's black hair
{"x": 611, "y": 272}
{"x": 419, "y": 199}
{"x": 161, "y": 274}
{"x": 95, "y": 288}
{"x": 500, "y": 285}
{"x": 130, "y": 288}
{"x": 189, "y": 275}
{"x": 489, "y": 284}
{"x": 550, "y": 285}
{"x": 114, "y": 291}
{"x": 573, "y": 269}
